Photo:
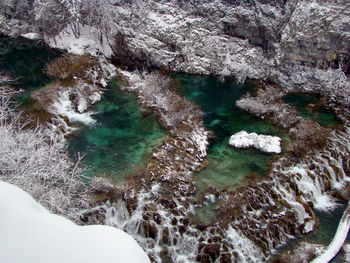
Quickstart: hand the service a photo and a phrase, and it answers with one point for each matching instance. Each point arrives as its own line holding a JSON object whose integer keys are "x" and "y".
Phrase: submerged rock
{"x": 265, "y": 143}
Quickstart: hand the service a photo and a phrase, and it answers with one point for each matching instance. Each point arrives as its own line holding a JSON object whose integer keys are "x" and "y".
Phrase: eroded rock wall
{"x": 286, "y": 41}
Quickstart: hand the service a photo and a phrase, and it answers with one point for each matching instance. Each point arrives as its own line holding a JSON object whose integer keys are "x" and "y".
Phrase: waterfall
{"x": 272, "y": 212}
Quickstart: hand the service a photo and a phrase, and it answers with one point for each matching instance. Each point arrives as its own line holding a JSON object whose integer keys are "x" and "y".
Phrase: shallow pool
{"x": 227, "y": 167}
{"x": 122, "y": 138}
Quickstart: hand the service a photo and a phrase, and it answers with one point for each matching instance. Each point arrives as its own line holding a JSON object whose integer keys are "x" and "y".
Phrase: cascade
{"x": 254, "y": 219}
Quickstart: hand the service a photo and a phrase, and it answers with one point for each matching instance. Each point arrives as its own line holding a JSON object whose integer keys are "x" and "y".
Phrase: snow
{"x": 82, "y": 105}
{"x": 33, "y": 36}
{"x": 309, "y": 227}
{"x": 95, "y": 97}
{"x": 265, "y": 143}
{"x": 346, "y": 249}
{"x": 31, "y": 234}
{"x": 200, "y": 138}
{"x": 87, "y": 43}
{"x": 338, "y": 240}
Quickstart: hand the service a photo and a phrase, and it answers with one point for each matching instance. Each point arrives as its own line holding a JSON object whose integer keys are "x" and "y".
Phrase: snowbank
{"x": 29, "y": 233}
{"x": 265, "y": 143}
{"x": 88, "y": 42}
{"x": 32, "y": 36}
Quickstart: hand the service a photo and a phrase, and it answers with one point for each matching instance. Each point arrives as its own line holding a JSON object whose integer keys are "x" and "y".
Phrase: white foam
{"x": 325, "y": 203}
{"x": 64, "y": 107}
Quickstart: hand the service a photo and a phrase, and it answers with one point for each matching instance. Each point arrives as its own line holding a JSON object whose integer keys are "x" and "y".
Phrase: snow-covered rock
{"x": 265, "y": 143}
{"x": 88, "y": 42}
{"x": 338, "y": 240}
{"x": 29, "y": 233}
{"x": 297, "y": 44}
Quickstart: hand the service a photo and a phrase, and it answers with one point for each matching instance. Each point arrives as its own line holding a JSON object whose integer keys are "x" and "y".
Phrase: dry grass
{"x": 69, "y": 66}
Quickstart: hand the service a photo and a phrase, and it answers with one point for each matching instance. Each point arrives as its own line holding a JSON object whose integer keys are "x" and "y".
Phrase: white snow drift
{"x": 31, "y": 234}
{"x": 265, "y": 143}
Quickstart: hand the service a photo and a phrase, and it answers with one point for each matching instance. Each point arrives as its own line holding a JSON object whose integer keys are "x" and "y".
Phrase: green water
{"x": 328, "y": 225}
{"x": 207, "y": 213}
{"x": 323, "y": 234}
{"x": 318, "y": 113}
{"x": 121, "y": 140}
{"x": 227, "y": 167}
{"x": 25, "y": 60}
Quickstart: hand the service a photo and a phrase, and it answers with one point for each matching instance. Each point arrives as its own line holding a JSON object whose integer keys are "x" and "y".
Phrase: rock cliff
{"x": 299, "y": 44}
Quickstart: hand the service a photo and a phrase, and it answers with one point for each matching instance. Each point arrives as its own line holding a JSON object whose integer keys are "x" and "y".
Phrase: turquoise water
{"x": 227, "y": 167}
{"x": 25, "y": 60}
{"x": 122, "y": 139}
{"x": 318, "y": 113}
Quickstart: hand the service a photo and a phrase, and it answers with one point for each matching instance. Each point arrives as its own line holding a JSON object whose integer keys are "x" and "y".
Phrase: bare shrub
{"x": 308, "y": 135}
{"x": 35, "y": 161}
{"x": 267, "y": 103}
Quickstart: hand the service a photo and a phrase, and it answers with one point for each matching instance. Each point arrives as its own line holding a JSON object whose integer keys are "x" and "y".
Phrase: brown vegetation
{"x": 306, "y": 135}
{"x": 70, "y": 66}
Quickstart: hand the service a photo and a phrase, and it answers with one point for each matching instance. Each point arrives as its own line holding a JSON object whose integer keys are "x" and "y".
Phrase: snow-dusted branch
{"x": 34, "y": 160}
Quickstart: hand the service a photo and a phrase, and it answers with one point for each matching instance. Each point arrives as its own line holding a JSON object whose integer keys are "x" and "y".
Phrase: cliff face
{"x": 287, "y": 41}
{"x": 291, "y": 42}
{"x": 210, "y": 37}
{"x": 317, "y": 36}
